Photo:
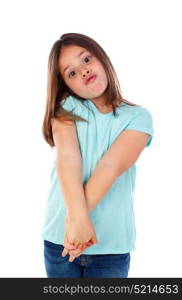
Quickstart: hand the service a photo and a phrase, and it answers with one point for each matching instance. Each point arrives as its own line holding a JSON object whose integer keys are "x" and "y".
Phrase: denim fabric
{"x": 85, "y": 266}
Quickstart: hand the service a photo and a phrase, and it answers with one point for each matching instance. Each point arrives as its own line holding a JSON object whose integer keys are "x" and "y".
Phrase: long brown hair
{"x": 57, "y": 90}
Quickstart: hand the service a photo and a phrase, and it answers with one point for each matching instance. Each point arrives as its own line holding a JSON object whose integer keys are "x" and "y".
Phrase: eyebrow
{"x": 77, "y": 56}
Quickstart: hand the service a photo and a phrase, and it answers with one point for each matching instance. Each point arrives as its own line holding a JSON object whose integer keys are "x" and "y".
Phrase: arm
{"x": 78, "y": 227}
{"x": 122, "y": 154}
{"x": 69, "y": 166}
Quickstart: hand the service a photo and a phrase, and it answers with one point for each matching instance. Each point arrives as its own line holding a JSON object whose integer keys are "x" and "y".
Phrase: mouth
{"x": 90, "y": 79}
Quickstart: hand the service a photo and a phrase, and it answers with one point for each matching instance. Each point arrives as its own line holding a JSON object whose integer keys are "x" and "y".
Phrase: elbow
{"x": 121, "y": 169}
{"x": 124, "y": 166}
{"x": 113, "y": 167}
{"x": 118, "y": 167}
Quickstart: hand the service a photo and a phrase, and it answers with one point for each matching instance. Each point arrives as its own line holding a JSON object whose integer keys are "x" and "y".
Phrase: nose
{"x": 85, "y": 73}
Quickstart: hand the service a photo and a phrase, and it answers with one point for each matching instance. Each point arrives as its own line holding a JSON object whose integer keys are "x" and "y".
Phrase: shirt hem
{"x": 97, "y": 252}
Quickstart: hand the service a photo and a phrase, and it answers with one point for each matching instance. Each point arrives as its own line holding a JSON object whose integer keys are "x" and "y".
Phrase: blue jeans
{"x": 85, "y": 266}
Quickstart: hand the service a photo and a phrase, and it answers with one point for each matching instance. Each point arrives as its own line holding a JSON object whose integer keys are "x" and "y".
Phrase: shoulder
{"x": 135, "y": 117}
{"x": 133, "y": 108}
{"x": 129, "y": 112}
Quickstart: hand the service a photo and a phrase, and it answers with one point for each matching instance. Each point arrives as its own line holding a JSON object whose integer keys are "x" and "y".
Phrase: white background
{"x": 143, "y": 41}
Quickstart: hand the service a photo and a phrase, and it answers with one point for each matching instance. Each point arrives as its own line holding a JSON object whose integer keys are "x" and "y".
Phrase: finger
{"x": 94, "y": 240}
{"x": 90, "y": 243}
{"x": 75, "y": 253}
{"x": 69, "y": 245}
{"x": 83, "y": 246}
{"x": 80, "y": 246}
{"x": 76, "y": 244}
{"x": 71, "y": 258}
{"x": 78, "y": 252}
{"x": 64, "y": 252}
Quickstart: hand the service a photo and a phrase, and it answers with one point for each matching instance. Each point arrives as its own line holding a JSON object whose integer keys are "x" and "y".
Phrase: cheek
{"x": 75, "y": 85}
{"x": 103, "y": 73}
{"x": 70, "y": 83}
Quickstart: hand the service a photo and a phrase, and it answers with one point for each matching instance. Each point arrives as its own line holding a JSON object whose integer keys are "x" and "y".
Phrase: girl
{"x": 89, "y": 228}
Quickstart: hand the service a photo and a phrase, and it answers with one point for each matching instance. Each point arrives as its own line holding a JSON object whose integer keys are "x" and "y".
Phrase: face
{"x": 76, "y": 64}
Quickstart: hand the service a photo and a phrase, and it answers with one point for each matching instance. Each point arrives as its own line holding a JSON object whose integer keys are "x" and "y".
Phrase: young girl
{"x": 89, "y": 228}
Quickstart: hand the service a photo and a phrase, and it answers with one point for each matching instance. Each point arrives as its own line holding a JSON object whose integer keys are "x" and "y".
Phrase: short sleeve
{"x": 68, "y": 103}
{"x": 142, "y": 121}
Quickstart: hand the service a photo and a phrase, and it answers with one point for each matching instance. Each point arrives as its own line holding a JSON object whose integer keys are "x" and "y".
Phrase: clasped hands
{"x": 79, "y": 235}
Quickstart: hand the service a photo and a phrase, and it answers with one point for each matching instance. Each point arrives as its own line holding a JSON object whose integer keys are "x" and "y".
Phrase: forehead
{"x": 68, "y": 54}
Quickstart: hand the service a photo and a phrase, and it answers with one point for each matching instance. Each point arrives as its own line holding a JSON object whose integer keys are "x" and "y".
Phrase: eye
{"x": 85, "y": 60}
{"x": 87, "y": 57}
{"x": 71, "y": 73}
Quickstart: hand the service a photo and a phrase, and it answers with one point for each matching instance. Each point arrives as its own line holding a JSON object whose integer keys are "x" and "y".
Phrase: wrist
{"x": 77, "y": 212}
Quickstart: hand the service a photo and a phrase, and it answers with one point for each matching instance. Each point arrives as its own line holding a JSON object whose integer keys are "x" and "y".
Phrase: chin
{"x": 100, "y": 94}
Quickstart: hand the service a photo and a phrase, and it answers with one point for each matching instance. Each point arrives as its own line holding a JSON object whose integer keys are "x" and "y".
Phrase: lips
{"x": 90, "y": 79}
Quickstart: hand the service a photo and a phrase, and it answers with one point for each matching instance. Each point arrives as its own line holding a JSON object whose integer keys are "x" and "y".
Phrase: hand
{"x": 76, "y": 249}
{"x": 79, "y": 230}
{"x": 73, "y": 251}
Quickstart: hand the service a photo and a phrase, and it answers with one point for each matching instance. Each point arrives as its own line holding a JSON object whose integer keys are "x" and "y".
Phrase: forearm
{"x": 70, "y": 178}
{"x": 99, "y": 183}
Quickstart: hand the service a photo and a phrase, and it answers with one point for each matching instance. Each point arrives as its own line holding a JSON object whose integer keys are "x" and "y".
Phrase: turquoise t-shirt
{"x": 113, "y": 217}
